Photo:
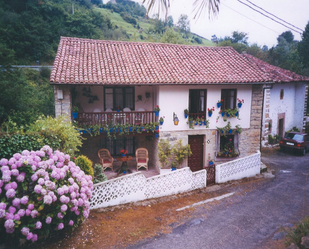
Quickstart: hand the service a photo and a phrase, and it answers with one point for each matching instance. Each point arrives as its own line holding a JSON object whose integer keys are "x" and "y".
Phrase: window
{"x": 229, "y": 99}
{"x": 116, "y": 145}
{"x": 281, "y": 93}
{"x": 197, "y": 102}
{"x": 121, "y": 97}
{"x": 227, "y": 146}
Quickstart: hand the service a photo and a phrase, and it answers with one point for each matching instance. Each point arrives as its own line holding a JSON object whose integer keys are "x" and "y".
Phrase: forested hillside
{"x": 30, "y": 29}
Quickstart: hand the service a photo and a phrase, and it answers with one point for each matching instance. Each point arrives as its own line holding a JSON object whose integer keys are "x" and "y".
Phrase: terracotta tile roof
{"x": 277, "y": 74}
{"x": 85, "y": 61}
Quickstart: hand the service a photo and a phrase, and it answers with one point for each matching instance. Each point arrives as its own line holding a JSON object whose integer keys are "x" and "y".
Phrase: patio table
{"x": 124, "y": 166}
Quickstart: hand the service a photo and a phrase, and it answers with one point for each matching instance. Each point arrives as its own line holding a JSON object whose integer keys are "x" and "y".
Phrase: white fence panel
{"x": 136, "y": 187}
{"x": 240, "y": 168}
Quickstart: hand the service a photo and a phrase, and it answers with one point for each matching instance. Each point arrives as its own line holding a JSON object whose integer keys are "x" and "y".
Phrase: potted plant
{"x": 210, "y": 111}
{"x": 157, "y": 110}
{"x": 180, "y": 152}
{"x": 210, "y": 161}
{"x": 173, "y": 166}
{"x": 186, "y": 112}
{"x": 219, "y": 103}
{"x": 123, "y": 152}
{"x": 161, "y": 120}
{"x": 157, "y": 133}
{"x": 190, "y": 123}
{"x": 165, "y": 150}
{"x": 240, "y": 102}
{"x": 74, "y": 111}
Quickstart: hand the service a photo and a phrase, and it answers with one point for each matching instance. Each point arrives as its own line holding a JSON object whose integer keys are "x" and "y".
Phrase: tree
{"x": 169, "y": 22}
{"x": 239, "y": 37}
{"x": 287, "y": 35}
{"x": 170, "y": 36}
{"x": 303, "y": 47}
{"x": 199, "y": 6}
{"x": 184, "y": 24}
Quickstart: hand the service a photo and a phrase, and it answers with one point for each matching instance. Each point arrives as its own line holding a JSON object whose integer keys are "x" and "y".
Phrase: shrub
{"x": 99, "y": 176}
{"x": 61, "y": 126}
{"x": 273, "y": 139}
{"x": 181, "y": 152}
{"x": 164, "y": 151}
{"x": 41, "y": 192}
{"x": 85, "y": 164}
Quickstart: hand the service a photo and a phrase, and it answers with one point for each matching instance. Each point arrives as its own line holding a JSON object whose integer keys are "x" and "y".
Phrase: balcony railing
{"x": 102, "y": 119}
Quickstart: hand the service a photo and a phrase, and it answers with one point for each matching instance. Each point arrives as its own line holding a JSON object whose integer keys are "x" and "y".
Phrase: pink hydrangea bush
{"x": 40, "y": 192}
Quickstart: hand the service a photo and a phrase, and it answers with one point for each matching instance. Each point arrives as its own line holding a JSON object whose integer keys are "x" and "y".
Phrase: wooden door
{"x": 195, "y": 161}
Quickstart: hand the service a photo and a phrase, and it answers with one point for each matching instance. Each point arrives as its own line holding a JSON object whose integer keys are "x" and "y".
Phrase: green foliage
{"x": 164, "y": 151}
{"x": 295, "y": 235}
{"x": 85, "y": 164}
{"x": 303, "y": 47}
{"x": 170, "y": 36}
{"x": 16, "y": 143}
{"x": 294, "y": 129}
{"x": 70, "y": 138}
{"x": 180, "y": 152}
{"x": 273, "y": 139}
{"x": 25, "y": 94}
{"x": 183, "y": 23}
{"x": 228, "y": 130}
{"x": 99, "y": 176}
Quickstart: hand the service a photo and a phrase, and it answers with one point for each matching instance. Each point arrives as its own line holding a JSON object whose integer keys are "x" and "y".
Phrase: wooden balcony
{"x": 102, "y": 119}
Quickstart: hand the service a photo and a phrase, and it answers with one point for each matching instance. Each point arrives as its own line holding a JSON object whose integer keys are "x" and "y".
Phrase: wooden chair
{"x": 141, "y": 158}
{"x": 106, "y": 159}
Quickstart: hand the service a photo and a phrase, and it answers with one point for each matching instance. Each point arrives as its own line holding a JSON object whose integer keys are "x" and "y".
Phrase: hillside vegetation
{"x": 30, "y": 30}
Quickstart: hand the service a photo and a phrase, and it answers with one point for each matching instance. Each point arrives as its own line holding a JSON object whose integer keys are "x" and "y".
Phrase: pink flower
{"x": 64, "y": 208}
{"x": 28, "y": 212}
{"x": 16, "y": 217}
{"x": 10, "y": 193}
{"x": 60, "y": 215}
{"x": 14, "y": 172}
{"x": 48, "y": 220}
{"x": 38, "y": 189}
{"x": 16, "y": 202}
{"x": 48, "y": 199}
{"x": 12, "y": 210}
{"x": 30, "y": 206}
{"x": 25, "y": 231}
{"x": 60, "y": 226}
{"x": 34, "y": 213}
{"x": 21, "y": 212}
{"x": 2, "y": 205}
{"x": 9, "y": 224}
{"x": 71, "y": 223}
{"x": 2, "y": 213}
{"x": 9, "y": 216}
{"x": 38, "y": 225}
{"x": 21, "y": 177}
{"x": 34, "y": 238}
{"x": 29, "y": 236}
{"x": 24, "y": 200}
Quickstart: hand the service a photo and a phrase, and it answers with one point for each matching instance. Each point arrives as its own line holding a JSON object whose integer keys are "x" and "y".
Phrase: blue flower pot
{"x": 157, "y": 135}
{"x": 196, "y": 123}
{"x": 156, "y": 113}
{"x": 200, "y": 123}
{"x": 131, "y": 129}
{"x": 161, "y": 122}
{"x": 209, "y": 114}
{"x": 186, "y": 115}
{"x": 211, "y": 163}
{"x": 236, "y": 114}
{"x": 74, "y": 114}
{"x": 239, "y": 105}
{"x": 173, "y": 168}
{"x": 111, "y": 129}
{"x": 222, "y": 113}
{"x": 227, "y": 115}
{"x": 218, "y": 105}
{"x": 205, "y": 123}
{"x": 101, "y": 130}
{"x": 230, "y": 131}
{"x": 123, "y": 155}
{"x": 124, "y": 172}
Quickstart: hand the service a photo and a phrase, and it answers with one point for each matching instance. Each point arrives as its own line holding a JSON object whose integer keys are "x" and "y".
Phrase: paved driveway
{"x": 250, "y": 218}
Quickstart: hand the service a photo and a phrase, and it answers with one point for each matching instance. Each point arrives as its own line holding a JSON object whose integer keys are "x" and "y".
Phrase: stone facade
{"x": 63, "y": 106}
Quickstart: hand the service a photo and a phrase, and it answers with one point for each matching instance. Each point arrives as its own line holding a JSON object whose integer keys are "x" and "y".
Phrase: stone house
{"x": 117, "y": 84}
{"x": 285, "y": 103}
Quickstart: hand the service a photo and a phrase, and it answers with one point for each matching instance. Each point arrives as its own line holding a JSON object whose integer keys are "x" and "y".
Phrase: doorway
{"x": 281, "y": 121}
{"x": 195, "y": 161}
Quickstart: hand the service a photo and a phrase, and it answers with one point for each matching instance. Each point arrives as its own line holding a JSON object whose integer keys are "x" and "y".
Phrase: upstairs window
{"x": 229, "y": 99}
{"x": 281, "y": 93}
{"x": 119, "y": 97}
{"x": 197, "y": 102}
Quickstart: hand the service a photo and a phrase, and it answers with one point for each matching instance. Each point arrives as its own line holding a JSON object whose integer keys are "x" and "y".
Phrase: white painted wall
{"x": 176, "y": 99}
{"x": 292, "y": 105}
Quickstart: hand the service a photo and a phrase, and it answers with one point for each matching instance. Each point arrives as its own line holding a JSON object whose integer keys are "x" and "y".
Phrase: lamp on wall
{"x": 175, "y": 119}
{"x": 60, "y": 94}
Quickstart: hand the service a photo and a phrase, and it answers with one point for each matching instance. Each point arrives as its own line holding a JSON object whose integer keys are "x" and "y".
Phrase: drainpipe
{"x": 265, "y": 86}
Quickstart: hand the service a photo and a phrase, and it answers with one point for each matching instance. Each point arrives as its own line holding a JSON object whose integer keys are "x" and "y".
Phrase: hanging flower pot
{"x": 157, "y": 113}
{"x": 74, "y": 114}
{"x": 239, "y": 105}
{"x": 227, "y": 114}
{"x": 222, "y": 114}
{"x": 211, "y": 163}
{"x": 157, "y": 135}
{"x": 161, "y": 122}
{"x": 205, "y": 122}
{"x": 101, "y": 130}
{"x": 209, "y": 114}
{"x": 230, "y": 131}
{"x": 236, "y": 114}
{"x": 219, "y": 104}
{"x": 131, "y": 129}
{"x": 142, "y": 127}
{"x": 186, "y": 115}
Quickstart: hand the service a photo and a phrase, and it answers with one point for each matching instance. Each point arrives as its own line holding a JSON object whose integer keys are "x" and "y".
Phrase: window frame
{"x": 116, "y": 152}
{"x": 226, "y": 97}
{"x": 235, "y": 142}
{"x": 192, "y": 93}
{"x": 125, "y": 95}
